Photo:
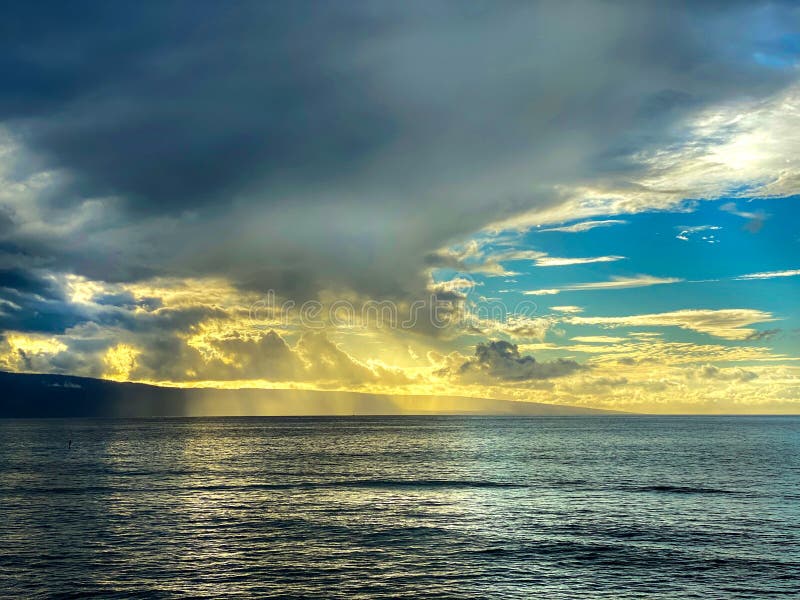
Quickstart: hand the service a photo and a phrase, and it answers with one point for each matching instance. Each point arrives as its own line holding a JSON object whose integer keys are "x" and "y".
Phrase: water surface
{"x": 456, "y": 507}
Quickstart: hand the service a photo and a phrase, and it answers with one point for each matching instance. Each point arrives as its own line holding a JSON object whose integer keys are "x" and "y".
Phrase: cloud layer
{"x": 163, "y": 166}
{"x": 302, "y": 148}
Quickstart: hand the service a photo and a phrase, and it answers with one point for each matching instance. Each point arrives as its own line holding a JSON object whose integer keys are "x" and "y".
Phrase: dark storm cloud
{"x": 21, "y": 281}
{"x": 306, "y": 146}
{"x": 172, "y": 105}
{"x": 501, "y": 360}
{"x": 32, "y": 302}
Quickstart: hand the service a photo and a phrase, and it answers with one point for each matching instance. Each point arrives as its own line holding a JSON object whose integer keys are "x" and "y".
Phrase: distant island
{"x": 45, "y": 395}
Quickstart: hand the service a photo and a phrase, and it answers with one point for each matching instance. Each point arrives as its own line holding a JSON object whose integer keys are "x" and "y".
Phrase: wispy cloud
{"x": 585, "y": 226}
{"x": 517, "y": 327}
{"x": 770, "y": 274}
{"x": 755, "y": 220}
{"x": 686, "y": 232}
{"x": 456, "y": 284}
{"x": 567, "y": 309}
{"x": 597, "y": 339}
{"x": 554, "y": 261}
{"x": 541, "y": 259}
{"x": 520, "y": 255}
{"x": 730, "y": 324}
{"x": 616, "y": 283}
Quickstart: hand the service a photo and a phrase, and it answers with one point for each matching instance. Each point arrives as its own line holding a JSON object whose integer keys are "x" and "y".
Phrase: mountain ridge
{"x": 43, "y": 395}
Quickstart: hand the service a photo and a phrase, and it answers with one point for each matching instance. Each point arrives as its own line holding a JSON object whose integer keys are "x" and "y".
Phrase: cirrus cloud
{"x": 728, "y": 324}
{"x": 616, "y": 283}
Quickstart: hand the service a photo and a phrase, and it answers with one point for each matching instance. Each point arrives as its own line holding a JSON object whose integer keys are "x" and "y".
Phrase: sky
{"x": 583, "y": 203}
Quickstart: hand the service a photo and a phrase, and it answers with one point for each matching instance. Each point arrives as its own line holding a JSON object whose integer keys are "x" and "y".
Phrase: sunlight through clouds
{"x": 392, "y": 207}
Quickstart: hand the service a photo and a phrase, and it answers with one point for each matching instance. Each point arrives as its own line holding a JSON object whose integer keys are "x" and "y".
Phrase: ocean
{"x": 401, "y": 507}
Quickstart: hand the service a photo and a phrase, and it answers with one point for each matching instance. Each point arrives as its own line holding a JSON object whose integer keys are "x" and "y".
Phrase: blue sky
{"x": 650, "y": 244}
{"x": 706, "y": 246}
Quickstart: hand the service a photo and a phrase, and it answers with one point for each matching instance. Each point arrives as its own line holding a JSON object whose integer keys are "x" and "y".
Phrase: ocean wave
{"x": 356, "y": 483}
{"x": 681, "y": 489}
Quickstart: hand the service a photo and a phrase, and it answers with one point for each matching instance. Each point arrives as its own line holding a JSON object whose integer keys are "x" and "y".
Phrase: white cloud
{"x": 553, "y": 261}
{"x": 456, "y": 284}
{"x": 585, "y": 226}
{"x": 770, "y": 274}
{"x": 616, "y": 283}
{"x": 567, "y": 309}
{"x": 686, "y": 232}
{"x": 491, "y": 263}
{"x": 545, "y": 292}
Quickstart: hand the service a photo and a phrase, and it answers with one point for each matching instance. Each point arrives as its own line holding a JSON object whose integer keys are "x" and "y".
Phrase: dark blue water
{"x": 580, "y": 507}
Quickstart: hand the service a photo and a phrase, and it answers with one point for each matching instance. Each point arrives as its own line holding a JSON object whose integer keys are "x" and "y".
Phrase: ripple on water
{"x": 451, "y": 507}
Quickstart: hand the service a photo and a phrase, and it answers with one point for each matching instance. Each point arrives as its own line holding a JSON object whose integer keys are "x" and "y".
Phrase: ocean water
{"x": 401, "y": 507}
